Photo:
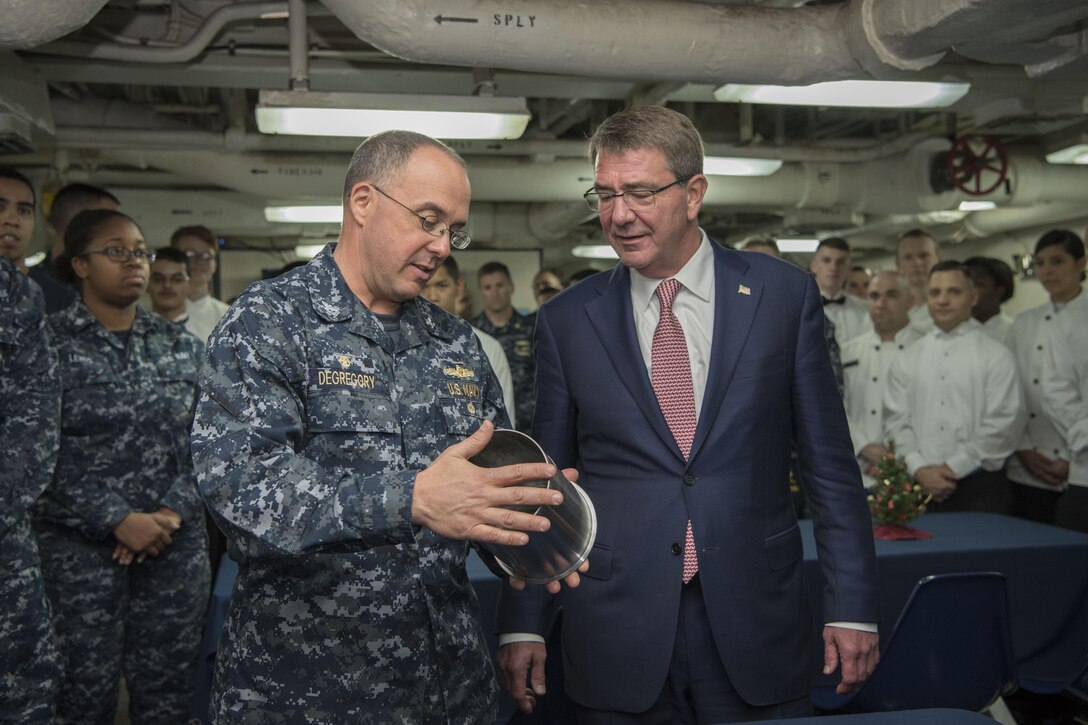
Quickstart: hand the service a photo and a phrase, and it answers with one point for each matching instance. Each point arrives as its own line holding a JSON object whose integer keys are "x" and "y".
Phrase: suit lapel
{"x": 612, "y": 318}
{"x": 736, "y": 299}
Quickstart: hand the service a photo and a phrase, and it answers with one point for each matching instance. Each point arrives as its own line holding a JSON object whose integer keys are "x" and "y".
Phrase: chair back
{"x": 951, "y": 648}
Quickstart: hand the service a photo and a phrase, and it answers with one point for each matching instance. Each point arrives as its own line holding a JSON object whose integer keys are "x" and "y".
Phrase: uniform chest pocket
{"x": 349, "y": 412}
{"x": 463, "y": 416}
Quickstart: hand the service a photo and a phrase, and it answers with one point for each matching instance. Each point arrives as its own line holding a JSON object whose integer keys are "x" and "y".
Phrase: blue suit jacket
{"x": 770, "y": 383}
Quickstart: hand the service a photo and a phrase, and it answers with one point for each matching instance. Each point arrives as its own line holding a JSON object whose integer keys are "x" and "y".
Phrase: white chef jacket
{"x": 1065, "y": 383}
{"x": 998, "y": 327}
{"x": 865, "y": 362}
{"x": 1028, "y": 341}
{"x": 953, "y": 398}
{"x": 851, "y": 318}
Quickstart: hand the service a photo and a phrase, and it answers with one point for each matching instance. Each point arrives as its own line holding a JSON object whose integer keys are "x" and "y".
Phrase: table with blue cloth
{"x": 1046, "y": 568}
{"x": 903, "y": 717}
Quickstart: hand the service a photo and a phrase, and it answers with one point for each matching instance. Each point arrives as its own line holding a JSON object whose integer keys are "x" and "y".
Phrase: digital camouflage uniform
{"x": 312, "y": 425}
{"x": 30, "y": 669}
{"x": 516, "y": 337}
{"x": 124, "y": 447}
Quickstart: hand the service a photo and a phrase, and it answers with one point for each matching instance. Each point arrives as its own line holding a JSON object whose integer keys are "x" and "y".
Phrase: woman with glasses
{"x": 1040, "y": 469}
{"x": 120, "y": 528}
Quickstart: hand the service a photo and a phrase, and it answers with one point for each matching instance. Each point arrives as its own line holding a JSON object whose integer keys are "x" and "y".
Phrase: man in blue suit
{"x": 678, "y": 406}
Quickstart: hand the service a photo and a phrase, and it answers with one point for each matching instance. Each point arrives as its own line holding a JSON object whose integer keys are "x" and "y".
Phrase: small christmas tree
{"x": 896, "y": 499}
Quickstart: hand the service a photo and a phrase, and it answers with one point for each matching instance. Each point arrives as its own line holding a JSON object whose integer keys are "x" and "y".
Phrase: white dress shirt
{"x": 497, "y": 357}
{"x": 953, "y": 398}
{"x": 204, "y": 314}
{"x": 920, "y": 319}
{"x": 865, "y": 363}
{"x": 1028, "y": 341}
{"x": 851, "y": 318}
{"x": 1065, "y": 383}
{"x": 998, "y": 327}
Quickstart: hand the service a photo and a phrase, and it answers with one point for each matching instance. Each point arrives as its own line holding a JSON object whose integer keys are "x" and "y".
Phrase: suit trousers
{"x": 697, "y": 690}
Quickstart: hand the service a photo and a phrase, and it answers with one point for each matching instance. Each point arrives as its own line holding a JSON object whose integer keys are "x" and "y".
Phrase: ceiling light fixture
{"x": 797, "y": 244}
{"x": 595, "y": 251}
{"x": 314, "y": 214}
{"x": 309, "y": 251}
{"x": 737, "y": 166}
{"x": 358, "y": 115}
{"x": 977, "y": 205}
{"x": 858, "y": 94}
{"x": 1075, "y": 154}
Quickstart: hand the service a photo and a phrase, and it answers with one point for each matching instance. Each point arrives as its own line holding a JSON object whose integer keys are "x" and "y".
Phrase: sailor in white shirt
{"x": 1065, "y": 373}
{"x": 865, "y": 362}
{"x": 830, "y": 266}
{"x": 915, "y": 254}
{"x": 953, "y": 404}
{"x": 444, "y": 289}
{"x": 995, "y": 285}
{"x": 1040, "y": 469}
{"x": 168, "y": 285}
{"x": 201, "y": 247}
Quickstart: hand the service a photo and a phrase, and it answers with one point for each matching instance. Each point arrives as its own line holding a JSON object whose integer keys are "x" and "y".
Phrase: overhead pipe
{"x": 193, "y": 46}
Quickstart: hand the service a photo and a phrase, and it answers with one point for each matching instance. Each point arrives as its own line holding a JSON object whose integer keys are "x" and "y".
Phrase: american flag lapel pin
{"x": 742, "y": 290}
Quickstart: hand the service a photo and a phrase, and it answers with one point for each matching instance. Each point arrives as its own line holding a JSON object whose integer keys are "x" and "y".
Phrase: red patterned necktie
{"x": 670, "y": 373}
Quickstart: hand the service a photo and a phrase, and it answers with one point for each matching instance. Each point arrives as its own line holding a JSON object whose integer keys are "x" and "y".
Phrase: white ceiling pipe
{"x": 29, "y": 23}
{"x": 915, "y": 34}
{"x": 644, "y": 40}
{"x": 998, "y": 221}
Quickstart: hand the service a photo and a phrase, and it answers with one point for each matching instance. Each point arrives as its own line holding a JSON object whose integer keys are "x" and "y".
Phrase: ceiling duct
{"x": 24, "y": 105}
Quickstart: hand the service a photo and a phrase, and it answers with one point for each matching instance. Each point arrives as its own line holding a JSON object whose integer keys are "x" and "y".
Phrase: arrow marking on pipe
{"x": 445, "y": 19}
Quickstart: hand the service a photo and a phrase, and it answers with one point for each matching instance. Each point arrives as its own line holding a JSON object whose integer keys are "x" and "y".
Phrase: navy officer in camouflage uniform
{"x": 30, "y": 668}
{"x": 120, "y": 528}
{"x": 337, "y": 413}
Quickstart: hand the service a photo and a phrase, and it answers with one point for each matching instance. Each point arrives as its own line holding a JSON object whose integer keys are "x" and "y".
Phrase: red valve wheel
{"x": 977, "y": 164}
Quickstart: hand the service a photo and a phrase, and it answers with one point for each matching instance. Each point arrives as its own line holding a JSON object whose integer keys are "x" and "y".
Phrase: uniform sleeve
{"x": 29, "y": 402}
{"x": 897, "y": 423}
{"x": 247, "y": 442}
{"x": 1065, "y": 388}
{"x": 1001, "y": 421}
{"x": 183, "y": 496}
{"x": 1015, "y": 343}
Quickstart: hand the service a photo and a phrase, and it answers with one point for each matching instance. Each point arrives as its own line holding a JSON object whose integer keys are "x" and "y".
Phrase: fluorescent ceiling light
{"x": 1075, "y": 154}
{"x": 797, "y": 244}
{"x": 862, "y": 94}
{"x": 595, "y": 251}
{"x": 309, "y": 251}
{"x": 736, "y": 166}
{"x": 977, "y": 205}
{"x": 315, "y": 214}
{"x": 358, "y": 115}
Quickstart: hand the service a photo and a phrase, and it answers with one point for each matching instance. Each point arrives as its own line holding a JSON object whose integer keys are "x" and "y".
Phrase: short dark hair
{"x": 493, "y": 268}
{"x": 74, "y": 198}
{"x": 834, "y": 243}
{"x": 1067, "y": 240}
{"x": 8, "y": 172}
{"x": 173, "y": 254}
{"x": 761, "y": 242}
{"x": 451, "y": 266}
{"x": 651, "y": 127}
{"x": 910, "y": 233}
{"x": 999, "y": 272}
{"x": 859, "y": 268}
{"x": 79, "y": 233}
{"x": 380, "y": 157}
{"x": 951, "y": 265}
{"x": 580, "y": 275}
{"x": 200, "y": 232}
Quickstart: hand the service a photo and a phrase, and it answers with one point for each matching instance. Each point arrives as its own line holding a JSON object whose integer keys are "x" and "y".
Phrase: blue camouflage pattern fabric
{"x": 30, "y": 668}
{"x": 126, "y": 410}
{"x": 516, "y": 337}
{"x": 312, "y": 425}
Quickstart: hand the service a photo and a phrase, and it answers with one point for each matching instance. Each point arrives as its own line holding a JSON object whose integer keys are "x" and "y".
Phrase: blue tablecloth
{"x": 1046, "y": 567}
{"x": 907, "y": 717}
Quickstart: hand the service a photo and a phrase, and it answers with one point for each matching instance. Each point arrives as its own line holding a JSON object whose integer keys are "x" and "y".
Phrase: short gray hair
{"x": 652, "y": 127}
{"x": 379, "y": 158}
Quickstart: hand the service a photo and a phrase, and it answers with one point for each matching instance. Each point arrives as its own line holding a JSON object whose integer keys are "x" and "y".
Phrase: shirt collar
{"x": 959, "y": 330}
{"x": 697, "y": 276}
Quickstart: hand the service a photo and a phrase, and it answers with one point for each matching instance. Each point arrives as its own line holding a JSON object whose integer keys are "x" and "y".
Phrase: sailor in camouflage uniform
{"x": 329, "y": 443}
{"x": 29, "y": 411}
{"x": 120, "y": 528}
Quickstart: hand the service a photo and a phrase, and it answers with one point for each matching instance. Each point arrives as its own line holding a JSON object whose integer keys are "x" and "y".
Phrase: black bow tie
{"x": 839, "y": 301}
